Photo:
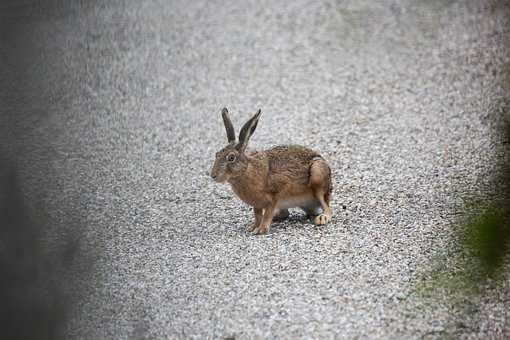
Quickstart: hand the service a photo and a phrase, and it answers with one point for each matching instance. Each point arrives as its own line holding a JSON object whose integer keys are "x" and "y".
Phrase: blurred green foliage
{"x": 487, "y": 238}
{"x": 486, "y": 235}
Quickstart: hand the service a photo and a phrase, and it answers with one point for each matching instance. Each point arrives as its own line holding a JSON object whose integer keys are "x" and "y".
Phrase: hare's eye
{"x": 231, "y": 157}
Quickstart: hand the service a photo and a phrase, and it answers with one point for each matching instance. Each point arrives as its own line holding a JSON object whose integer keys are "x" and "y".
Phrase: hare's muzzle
{"x": 214, "y": 175}
{"x": 217, "y": 177}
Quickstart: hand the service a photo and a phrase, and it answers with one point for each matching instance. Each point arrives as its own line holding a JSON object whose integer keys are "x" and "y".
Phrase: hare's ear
{"x": 247, "y": 130}
{"x": 231, "y": 134}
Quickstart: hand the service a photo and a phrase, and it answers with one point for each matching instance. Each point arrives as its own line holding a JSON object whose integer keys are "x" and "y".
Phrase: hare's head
{"x": 231, "y": 161}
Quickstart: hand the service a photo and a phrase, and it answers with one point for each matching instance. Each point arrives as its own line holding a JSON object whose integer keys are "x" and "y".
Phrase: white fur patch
{"x": 298, "y": 201}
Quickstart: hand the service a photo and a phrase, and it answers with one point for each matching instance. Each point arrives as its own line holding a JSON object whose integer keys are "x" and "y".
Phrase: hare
{"x": 273, "y": 180}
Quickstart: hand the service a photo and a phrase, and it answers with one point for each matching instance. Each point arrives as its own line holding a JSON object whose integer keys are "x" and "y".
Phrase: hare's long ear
{"x": 231, "y": 134}
{"x": 248, "y": 130}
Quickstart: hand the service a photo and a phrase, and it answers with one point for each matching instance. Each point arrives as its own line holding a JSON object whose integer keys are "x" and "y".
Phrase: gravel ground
{"x": 124, "y": 121}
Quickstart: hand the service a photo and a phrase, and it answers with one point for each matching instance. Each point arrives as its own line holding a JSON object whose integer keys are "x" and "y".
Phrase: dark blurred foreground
{"x": 33, "y": 304}
{"x": 34, "y": 264}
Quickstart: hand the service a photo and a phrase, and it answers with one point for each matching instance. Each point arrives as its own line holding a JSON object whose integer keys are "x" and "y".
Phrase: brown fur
{"x": 273, "y": 180}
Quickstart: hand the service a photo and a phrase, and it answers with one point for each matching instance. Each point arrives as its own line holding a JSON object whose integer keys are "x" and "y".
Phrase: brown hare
{"x": 273, "y": 180}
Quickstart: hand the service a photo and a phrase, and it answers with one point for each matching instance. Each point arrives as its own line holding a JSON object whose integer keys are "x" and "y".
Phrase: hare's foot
{"x": 253, "y": 226}
{"x": 258, "y": 218}
{"x": 267, "y": 218}
{"x": 322, "y": 219}
{"x": 260, "y": 230}
{"x": 281, "y": 215}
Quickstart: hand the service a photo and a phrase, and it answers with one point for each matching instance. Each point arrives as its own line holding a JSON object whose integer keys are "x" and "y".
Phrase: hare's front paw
{"x": 322, "y": 219}
{"x": 260, "y": 230}
{"x": 253, "y": 226}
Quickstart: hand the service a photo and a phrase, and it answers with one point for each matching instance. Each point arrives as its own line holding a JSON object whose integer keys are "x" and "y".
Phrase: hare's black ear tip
{"x": 224, "y": 110}
{"x": 259, "y": 112}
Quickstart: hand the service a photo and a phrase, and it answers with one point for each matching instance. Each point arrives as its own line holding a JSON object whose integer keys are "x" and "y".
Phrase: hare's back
{"x": 296, "y": 154}
{"x": 291, "y": 163}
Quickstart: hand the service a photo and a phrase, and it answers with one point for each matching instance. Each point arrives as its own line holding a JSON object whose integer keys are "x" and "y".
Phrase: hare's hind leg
{"x": 320, "y": 182}
{"x": 325, "y": 217}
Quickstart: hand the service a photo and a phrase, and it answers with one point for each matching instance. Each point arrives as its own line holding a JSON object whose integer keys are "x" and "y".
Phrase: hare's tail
{"x": 327, "y": 196}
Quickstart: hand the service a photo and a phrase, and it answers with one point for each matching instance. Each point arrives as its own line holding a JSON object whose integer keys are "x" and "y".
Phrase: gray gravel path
{"x": 397, "y": 95}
